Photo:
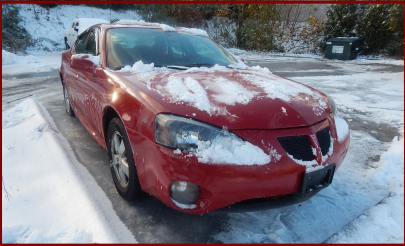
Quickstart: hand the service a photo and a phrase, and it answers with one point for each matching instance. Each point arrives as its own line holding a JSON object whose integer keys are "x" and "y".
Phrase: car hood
{"x": 252, "y": 98}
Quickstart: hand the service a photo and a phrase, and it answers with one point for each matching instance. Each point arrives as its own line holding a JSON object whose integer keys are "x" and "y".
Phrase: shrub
{"x": 15, "y": 37}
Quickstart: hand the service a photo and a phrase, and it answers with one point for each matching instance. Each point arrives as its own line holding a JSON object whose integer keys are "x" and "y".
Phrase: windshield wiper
{"x": 200, "y": 65}
{"x": 173, "y": 67}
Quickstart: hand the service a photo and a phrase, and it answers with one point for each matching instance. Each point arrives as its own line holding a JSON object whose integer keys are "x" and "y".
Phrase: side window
{"x": 91, "y": 44}
{"x": 73, "y": 24}
{"x": 79, "y": 46}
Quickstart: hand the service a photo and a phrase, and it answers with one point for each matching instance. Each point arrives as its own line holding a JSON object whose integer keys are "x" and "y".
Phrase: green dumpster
{"x": 342, "y": 48}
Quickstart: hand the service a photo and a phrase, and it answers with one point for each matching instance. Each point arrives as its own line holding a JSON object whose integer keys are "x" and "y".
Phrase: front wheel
{"x": 68, "y": 106}
{"x": 122, "y": 162}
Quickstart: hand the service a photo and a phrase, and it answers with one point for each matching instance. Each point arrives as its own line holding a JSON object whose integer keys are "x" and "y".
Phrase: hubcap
{"x": 119, "y": 159}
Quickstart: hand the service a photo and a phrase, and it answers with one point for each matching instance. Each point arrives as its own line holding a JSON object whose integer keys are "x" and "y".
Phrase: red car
{"x": 187, "y": 122}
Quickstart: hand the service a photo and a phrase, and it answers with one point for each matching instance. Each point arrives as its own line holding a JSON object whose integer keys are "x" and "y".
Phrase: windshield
{"x": 125, "y": 46}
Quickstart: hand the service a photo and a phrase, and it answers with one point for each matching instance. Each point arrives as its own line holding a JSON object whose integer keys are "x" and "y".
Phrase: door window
{"x": 79, "y": 46}
{"x": 91, "y": 44}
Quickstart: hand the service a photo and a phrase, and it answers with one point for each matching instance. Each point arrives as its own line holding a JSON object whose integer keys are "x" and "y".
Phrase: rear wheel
{"x": 123, "y": 167}
{"x": 68, "y": 106}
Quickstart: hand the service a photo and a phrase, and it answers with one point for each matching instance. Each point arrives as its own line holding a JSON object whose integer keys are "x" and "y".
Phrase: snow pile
{"x": 260, "y": 69}
{"x": 384, "y": 222}
{"x": 47, "y": 196}
{"x": 229, "y": 149}
{"x": 167, "y": 28}
{"x": 342, "y": 128}
{"x": 193, "y": 31}
{"x": 239, "y": 65}
{"x": 189, "y": 91}
{"x": 230, "y": 92}
{"x": 138, "y": 67}
{"x": 10, "y": 59}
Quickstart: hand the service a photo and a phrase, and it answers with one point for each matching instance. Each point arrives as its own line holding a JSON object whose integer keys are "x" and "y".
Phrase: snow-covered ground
{"x": 47, "y": 196}
{"x": 41, "y": 62}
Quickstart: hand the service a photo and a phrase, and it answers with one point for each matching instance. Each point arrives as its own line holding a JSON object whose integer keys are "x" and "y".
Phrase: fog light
{"x": 184, "y": 192}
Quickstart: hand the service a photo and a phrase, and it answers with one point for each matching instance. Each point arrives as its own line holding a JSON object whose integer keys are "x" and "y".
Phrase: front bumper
{"x": 225, "y": 186}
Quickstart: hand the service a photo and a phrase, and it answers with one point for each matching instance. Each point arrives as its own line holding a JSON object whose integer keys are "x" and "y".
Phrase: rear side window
{"x": 90, "y": 47}
{"x": 88, "y": 42}
{"x": 79, "y": 46}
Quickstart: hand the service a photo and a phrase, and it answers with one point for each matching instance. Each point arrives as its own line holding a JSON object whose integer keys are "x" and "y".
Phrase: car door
{"x": 77, "y": 80}
{"x": 94, "y": 87}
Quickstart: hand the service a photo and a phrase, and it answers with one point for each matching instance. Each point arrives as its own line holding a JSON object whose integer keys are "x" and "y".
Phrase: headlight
{"x": 182, "y": 133}
{"x": 332, "y": 102}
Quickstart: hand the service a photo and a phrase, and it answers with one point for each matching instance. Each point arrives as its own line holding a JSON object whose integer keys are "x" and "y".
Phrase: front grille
{"x": 298, "y": 146}
{"x": 324, "y": 140}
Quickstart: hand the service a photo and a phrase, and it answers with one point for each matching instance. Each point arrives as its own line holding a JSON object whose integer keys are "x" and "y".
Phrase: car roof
{"x": 143, "y": 24}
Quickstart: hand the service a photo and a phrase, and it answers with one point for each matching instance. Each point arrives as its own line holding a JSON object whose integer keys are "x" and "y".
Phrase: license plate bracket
{"x": 317, "y": 180}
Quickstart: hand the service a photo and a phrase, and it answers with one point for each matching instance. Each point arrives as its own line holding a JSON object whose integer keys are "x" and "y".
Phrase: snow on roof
{"x": 165, "y": 28}
{"x": 193, "y": 31}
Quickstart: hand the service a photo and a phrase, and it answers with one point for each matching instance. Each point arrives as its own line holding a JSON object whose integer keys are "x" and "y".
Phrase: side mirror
{"x": 81, "y": 61}
{"x": 243, "y": 60}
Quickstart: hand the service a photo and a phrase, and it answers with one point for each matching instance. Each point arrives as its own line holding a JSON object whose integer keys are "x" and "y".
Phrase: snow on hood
{"x": 232, "y": 94}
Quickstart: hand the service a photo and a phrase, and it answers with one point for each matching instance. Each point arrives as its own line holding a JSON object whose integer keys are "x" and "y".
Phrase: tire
{"x": 68, "y": 106}
{"x": 122, "y": 162}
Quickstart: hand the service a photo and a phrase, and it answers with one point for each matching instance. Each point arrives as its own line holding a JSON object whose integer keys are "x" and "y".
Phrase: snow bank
{"x": 342, "y": 128}
{"x": 10, "y": 59}
{"x": 384, "y": 222}
{"x": 47, "y": 196}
